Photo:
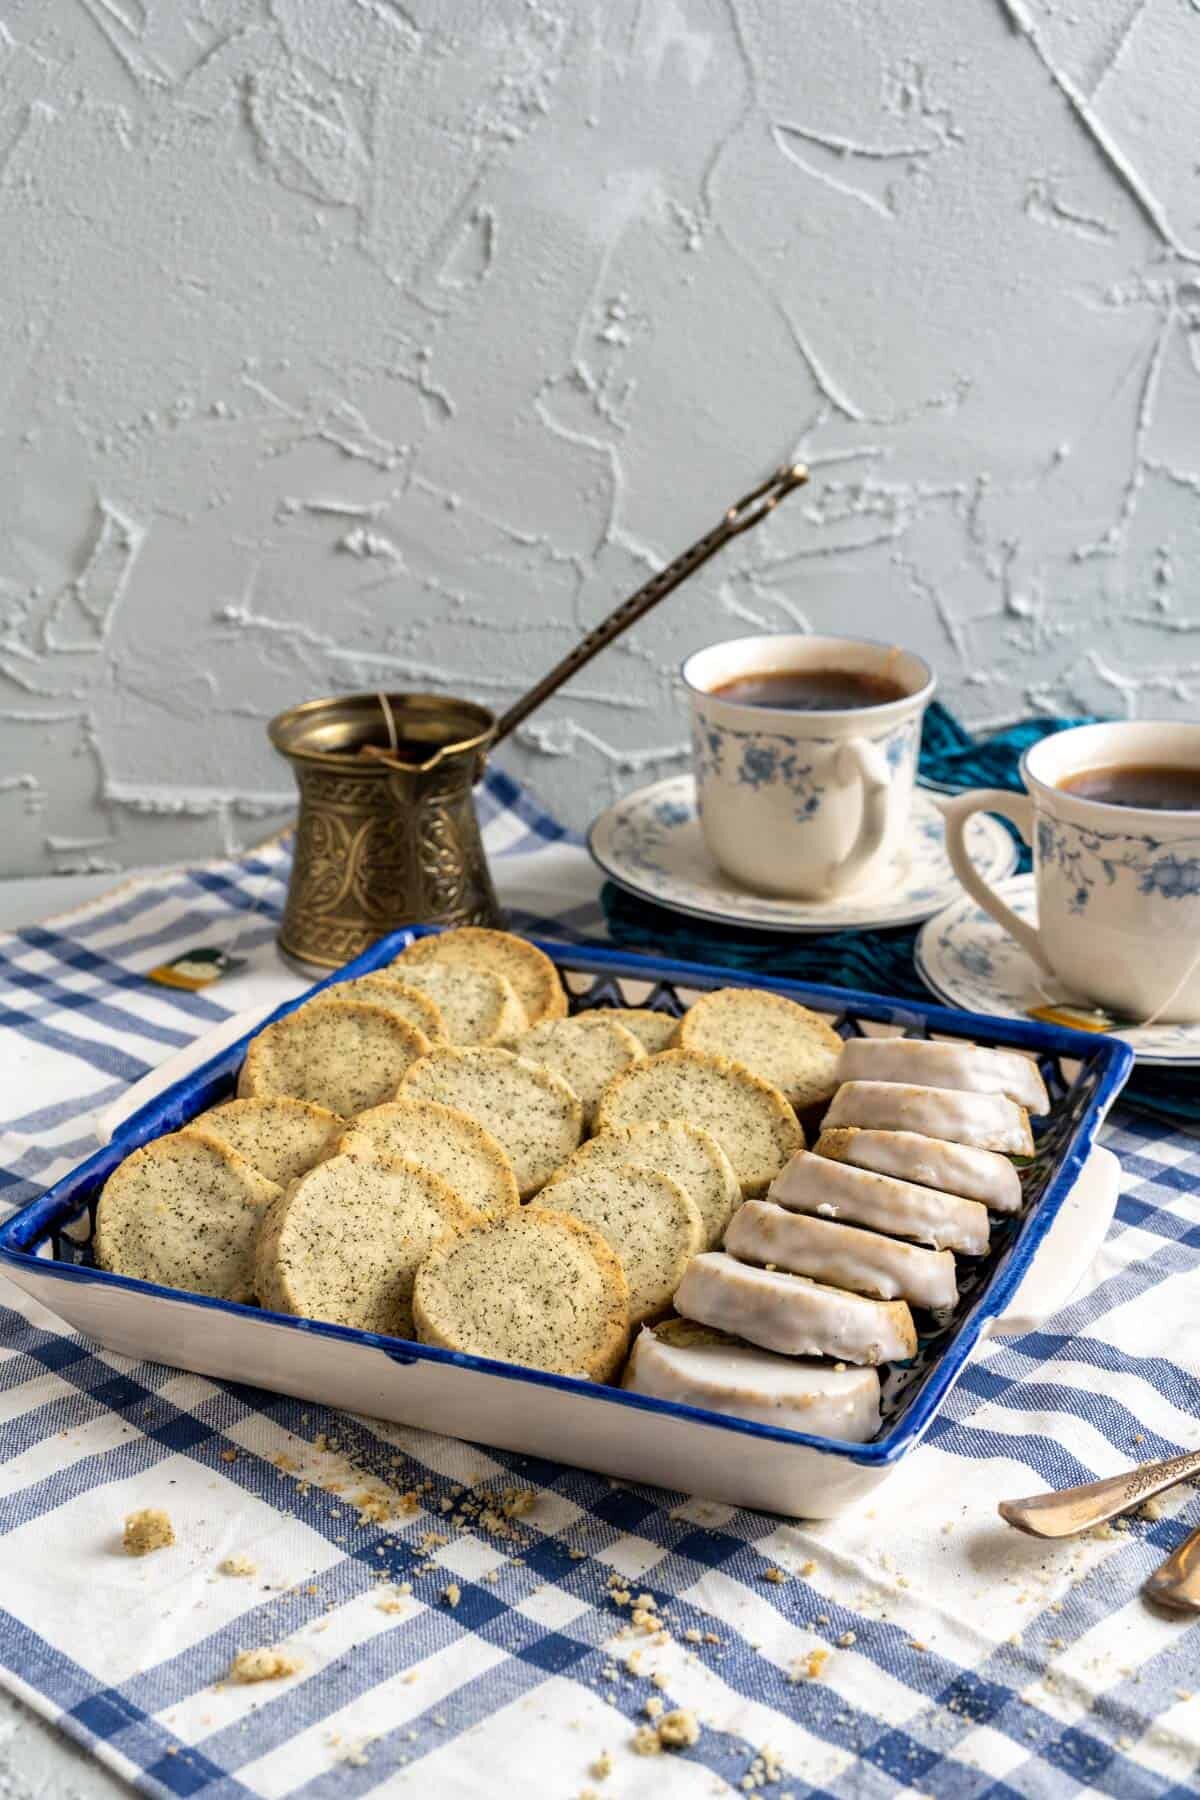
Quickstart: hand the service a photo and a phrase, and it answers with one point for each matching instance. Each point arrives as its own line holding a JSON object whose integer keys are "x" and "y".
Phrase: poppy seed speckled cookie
{"x": 687, "y": 1153}
{"x": 531, "y": 1112}
{"x": 650, "y": 1221}
{"x": 184, "y": 1212}
{"x": 779, "y": 1041}
{"x": 653, "y": 1030}
{"x": 586, "y": 1051}
{"x": 343, "y": 1054}
{"x": 478, "y": 1006}
{"x": 281, "y": 1138}
{"x": 344, "y": 1242}
{"x": 443, "y": 1139}
{"x": 749, "y": 1118}
{"x": 381, "y": 988}
{"x": 534, "y": 1287}
{"x": 530, "y": 970}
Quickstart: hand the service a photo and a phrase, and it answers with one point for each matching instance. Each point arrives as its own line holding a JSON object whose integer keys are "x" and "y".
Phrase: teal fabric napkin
{"x": 952, "y": 759}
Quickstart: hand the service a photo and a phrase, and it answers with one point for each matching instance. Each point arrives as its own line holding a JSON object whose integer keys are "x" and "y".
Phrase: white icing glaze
{"x": 931, "y": 1162}
{"x": 988, "y": 1121}
{"x": 968, "y": 1067}
{"x": 836, "y": 1190}
{"x": 843, "y": 1256}
{"x": 749, "y": 1383}
{"x": 793, "y": 1315}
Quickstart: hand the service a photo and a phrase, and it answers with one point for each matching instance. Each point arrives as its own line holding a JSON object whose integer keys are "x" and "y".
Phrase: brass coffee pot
{"x": 387, "y": 833}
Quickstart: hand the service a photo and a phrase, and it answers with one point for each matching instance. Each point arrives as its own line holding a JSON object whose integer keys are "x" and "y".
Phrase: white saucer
{"x": 969, "y": 960}
{"x": 650, "y": 843}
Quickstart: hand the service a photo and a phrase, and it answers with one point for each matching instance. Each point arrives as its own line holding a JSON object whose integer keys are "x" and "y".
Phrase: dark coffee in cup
{"x": 811, "y": 690}
{"x": 1161, "y": 787}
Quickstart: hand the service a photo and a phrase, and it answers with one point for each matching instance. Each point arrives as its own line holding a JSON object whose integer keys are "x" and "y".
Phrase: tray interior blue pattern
{"x": 1083, "y": 1073}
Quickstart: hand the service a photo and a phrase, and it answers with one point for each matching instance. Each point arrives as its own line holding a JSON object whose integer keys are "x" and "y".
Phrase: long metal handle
{"x": 1176, "y": 1582}
{"x": 747, "y": 511}
{"x": 1077, "y": 1509}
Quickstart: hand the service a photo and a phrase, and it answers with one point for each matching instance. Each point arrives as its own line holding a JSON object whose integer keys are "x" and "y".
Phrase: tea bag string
{"x": 1161, "y": 1008}
{"x": 1151, "y": 1018}
{"x": 389, "y": 719}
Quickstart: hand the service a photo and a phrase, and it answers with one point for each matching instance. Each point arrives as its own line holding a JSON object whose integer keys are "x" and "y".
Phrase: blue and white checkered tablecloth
{"x": 914, "y": 1647}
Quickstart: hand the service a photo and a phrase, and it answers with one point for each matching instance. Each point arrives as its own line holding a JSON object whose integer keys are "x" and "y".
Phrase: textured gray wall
{"x": 349, "y": 342}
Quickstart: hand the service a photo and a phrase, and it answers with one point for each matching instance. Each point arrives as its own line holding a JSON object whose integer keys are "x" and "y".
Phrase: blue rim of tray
{"x": 1110, "y": 1060}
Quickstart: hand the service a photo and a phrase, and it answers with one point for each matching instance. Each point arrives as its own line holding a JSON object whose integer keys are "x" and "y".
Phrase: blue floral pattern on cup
{"x": 760, "y": 759}
{"x": 1089, "y": 861}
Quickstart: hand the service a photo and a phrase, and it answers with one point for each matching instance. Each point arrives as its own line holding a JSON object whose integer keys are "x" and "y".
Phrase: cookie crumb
{"x": 238, "y": 1564}
{"x": 808, "y": 1668}
{"x": 847, "y": 1638}
{"x": 602, "y": 1767}
{"x": 678, "y": 1730}
{"x": 452, "y": 1593}
{"x": 778, "y": 1576}
{"x": 653, "y": 1707}
{"x": 147, "y": 1530}
{"x": 263, "y": 1665}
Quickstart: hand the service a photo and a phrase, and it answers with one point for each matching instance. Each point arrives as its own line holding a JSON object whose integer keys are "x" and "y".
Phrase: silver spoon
{"x": 1075, "y": 1509}
{"x": 1176, "y": 1582}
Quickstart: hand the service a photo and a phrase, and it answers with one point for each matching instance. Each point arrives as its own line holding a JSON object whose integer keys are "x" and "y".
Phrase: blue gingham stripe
{"x": 913, "y": 1647}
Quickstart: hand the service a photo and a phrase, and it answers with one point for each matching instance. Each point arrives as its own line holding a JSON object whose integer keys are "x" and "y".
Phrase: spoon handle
{"x": 1075, "y": 1509}
{"x": 744, "y": 513}
{"x": 1176, "y": 1582}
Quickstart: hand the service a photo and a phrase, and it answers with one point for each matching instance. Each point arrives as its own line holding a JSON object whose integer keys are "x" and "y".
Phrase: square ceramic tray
{"x": 45, "y": 1249}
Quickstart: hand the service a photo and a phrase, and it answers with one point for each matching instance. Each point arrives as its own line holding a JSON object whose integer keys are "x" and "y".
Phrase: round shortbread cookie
{"x": 530, "y": 970}
{"x": 928, "y": 1062}
{"x": 693, "y": 1365}
{"x": 586, "y": 1051}
{"x": 344, "y": 1242}
{"x": 984, "y": 1121}
{"x": 654, "y": 1030}
{"x": 793, "y": 1315}
{"x": 343, "y": 1054}
{"x": 184, "y": 1212}
{"x": 534, "y": 1287}
{"x": 842, "y": 1256}
{"x": 749, "y": 1118}
{"x": 930, "y": 1162}
{"x": 838, "y": 1190}
{"x": 440, "y": 1138}
{"x": 281, "y": 1138}
{"x": 531, "y": 1112}
{"x": 405, "y": 998}
{"x": 650, "y": 1221}
{"x": 687, "y": 1153}
{"x": 794, "y": 1049}
{"x": 478, "y": 1006}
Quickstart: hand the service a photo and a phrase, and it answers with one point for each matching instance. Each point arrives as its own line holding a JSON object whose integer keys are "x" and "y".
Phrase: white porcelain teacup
{"x": 804, "y": 803}
{"x": 1118, "y": 887}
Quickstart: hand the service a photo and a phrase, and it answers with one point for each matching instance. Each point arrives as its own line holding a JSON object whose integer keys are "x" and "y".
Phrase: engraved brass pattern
{"x": 378, "y": 847}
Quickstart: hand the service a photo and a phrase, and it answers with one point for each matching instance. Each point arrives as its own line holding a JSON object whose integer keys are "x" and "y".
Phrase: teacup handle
{"x": 857, "y": 760}
{"x": 1018, "y": 810}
